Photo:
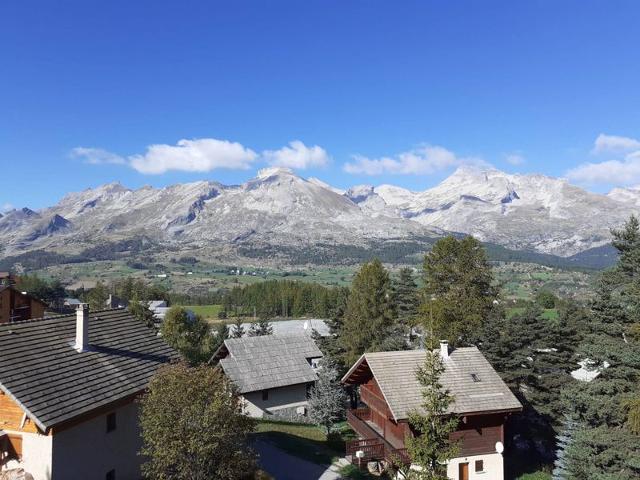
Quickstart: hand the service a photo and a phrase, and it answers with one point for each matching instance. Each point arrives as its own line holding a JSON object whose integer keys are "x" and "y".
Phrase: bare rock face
{"x": 278, "y": 208}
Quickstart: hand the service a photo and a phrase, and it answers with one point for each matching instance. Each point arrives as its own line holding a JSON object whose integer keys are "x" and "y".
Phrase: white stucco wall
{"x": 87, "y": 452}
{"x": 493, "y": 467}
{"x": 36, "y": 454}
{"x": 279, "y": 398}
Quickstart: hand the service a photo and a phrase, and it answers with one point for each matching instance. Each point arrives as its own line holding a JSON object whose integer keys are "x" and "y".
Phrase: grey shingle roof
{"x": 268, "y": 361}
{"x": 395, "y": 373}
{"x": 53, "y": 383}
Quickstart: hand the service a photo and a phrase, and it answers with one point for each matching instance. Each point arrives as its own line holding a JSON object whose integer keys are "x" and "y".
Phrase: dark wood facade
{"x": 16, "y": 306}
{"x": 382, "y": 437}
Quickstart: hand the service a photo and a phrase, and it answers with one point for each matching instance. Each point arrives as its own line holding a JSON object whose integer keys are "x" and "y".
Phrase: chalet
{"x": 389, "y": 391}
{"x": 16, "y": 306}
{"x": 68, "y": 386}
{"x": 273, "y": 373}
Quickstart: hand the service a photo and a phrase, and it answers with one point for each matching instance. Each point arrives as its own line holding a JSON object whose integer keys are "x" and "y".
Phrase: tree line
{"x": 281, "y": 298}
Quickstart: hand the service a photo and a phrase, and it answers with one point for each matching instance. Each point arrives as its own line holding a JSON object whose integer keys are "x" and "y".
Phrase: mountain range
{"x": 279, "y": 209}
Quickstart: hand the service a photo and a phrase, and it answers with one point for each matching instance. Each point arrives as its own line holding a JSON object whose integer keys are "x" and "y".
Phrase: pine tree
{"x": 606, "y": 444}
{"x": 431, "y": 448}
{"x": 406, "y": 297}
{"x": 327, "y": 398}
{"x": 238, "y": 329}
{"x": 459, "y": 290}
{"x": 564, "y": 442}
{"x": 260, "y": 328}
{"x": 369, "y": 314}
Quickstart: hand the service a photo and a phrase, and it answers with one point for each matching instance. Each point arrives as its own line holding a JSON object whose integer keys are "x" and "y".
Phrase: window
{"x": 479, "y": 466}
{"x": 111, "y": 422}
{"x": 265, "y": 395}
{"x": 111, "y": 475}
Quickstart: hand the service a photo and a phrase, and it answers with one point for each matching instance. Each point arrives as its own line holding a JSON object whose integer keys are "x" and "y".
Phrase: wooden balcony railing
{"x": 357, "y": 418}
{"x": 374, "y": 446}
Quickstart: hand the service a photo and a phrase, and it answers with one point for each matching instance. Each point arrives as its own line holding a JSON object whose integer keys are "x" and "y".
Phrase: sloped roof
{"x": 53, "y": 383}
{"x": 395, "y": 373}
{"x": 268, "y": 361}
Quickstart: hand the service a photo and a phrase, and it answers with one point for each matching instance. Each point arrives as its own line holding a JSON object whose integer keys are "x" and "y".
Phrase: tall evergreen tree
{"x": 459, "y": 289}
{"x": 237, "y": 330}
{"x": 606, "y": 444}
{"x": 327, "y": 397}
{"x": 406, "y": 297}
{"x": 431, "y": 448}
{"x": 369, "y": 315}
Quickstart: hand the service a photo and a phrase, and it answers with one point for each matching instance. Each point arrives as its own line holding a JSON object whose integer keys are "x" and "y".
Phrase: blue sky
{"x": 367, "y": 91}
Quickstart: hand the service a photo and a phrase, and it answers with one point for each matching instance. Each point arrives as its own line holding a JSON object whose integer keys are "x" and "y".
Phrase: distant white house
{"x": 294, "y": 327}
{"x": 160, "y": 309}
{"x": 273, "y": 373}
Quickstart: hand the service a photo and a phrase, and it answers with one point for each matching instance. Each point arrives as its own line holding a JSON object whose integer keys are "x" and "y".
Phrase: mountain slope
{"x": 279, "y": 209}
{"x": 518, "y": 211}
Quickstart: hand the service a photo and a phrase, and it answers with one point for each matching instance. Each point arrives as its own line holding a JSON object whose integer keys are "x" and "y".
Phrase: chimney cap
{"x": 444, "y": 349}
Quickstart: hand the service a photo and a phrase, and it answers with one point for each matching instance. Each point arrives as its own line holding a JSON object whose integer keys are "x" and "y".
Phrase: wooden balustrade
{"x": 374, "y": 446}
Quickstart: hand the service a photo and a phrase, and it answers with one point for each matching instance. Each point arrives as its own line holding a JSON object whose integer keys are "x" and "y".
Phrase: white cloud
{"x": 200, "y": 155}
{"x": 621, "y": 171}
{"x": 614, "y": 143}
{"x": 514, "y": 159}
{"x": 96, "y": 156}
{"x": 419, "y": 161}
{"x": 297, "y": 155}
{"x": 612, "y": 172}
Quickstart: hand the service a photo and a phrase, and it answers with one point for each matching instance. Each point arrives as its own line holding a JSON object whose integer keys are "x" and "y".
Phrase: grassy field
{"x": 308, "y": 442}
{"x": 548, "y": 313}
{"x": 535, "y": 476}
{"x": 208, "y": 312}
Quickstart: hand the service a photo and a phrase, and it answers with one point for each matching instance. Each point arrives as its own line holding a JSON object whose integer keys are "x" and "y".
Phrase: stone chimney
{"x": 82, "y": 327}
{"x": 444, "y": 349}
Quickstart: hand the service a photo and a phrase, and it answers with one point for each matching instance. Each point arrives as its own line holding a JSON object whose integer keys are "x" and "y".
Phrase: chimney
{"x": 82, "y": 327}
{"x": 444, "y": 349}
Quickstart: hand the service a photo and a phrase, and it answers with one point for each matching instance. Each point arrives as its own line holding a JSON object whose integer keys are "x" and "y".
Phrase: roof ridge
{"x": 57, "y": 316}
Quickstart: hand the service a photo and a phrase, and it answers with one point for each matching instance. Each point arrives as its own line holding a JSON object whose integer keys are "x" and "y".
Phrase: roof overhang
{"x": 359, "y": 373}
{"x": 31, "y": 416}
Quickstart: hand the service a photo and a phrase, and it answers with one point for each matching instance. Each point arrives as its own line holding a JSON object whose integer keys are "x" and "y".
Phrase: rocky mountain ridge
{"x": 281, "y": 209}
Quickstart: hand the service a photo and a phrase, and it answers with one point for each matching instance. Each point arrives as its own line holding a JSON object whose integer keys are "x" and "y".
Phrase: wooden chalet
{"x": 388, "y": 391}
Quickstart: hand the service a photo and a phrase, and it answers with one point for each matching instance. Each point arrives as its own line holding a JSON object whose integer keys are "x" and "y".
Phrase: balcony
{"x": 372, "y": 442}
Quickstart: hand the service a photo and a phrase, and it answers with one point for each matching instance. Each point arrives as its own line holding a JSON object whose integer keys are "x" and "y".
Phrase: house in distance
{"x": 389, "y": 391}
{"x": 273, "y": 373}
{"x": 16, "y": 306}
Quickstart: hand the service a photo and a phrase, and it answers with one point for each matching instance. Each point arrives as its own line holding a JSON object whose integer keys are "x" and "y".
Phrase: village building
{"x": 389, "y": 391}
{"x": 68, "y": 390}
{"x": 16, "y": 306}
{"x": 273, "y": 373}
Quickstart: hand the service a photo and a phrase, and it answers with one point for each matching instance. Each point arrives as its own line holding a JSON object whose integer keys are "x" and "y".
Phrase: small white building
{"x": 68, "y": 386}
{"x": 273, "y": 373}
